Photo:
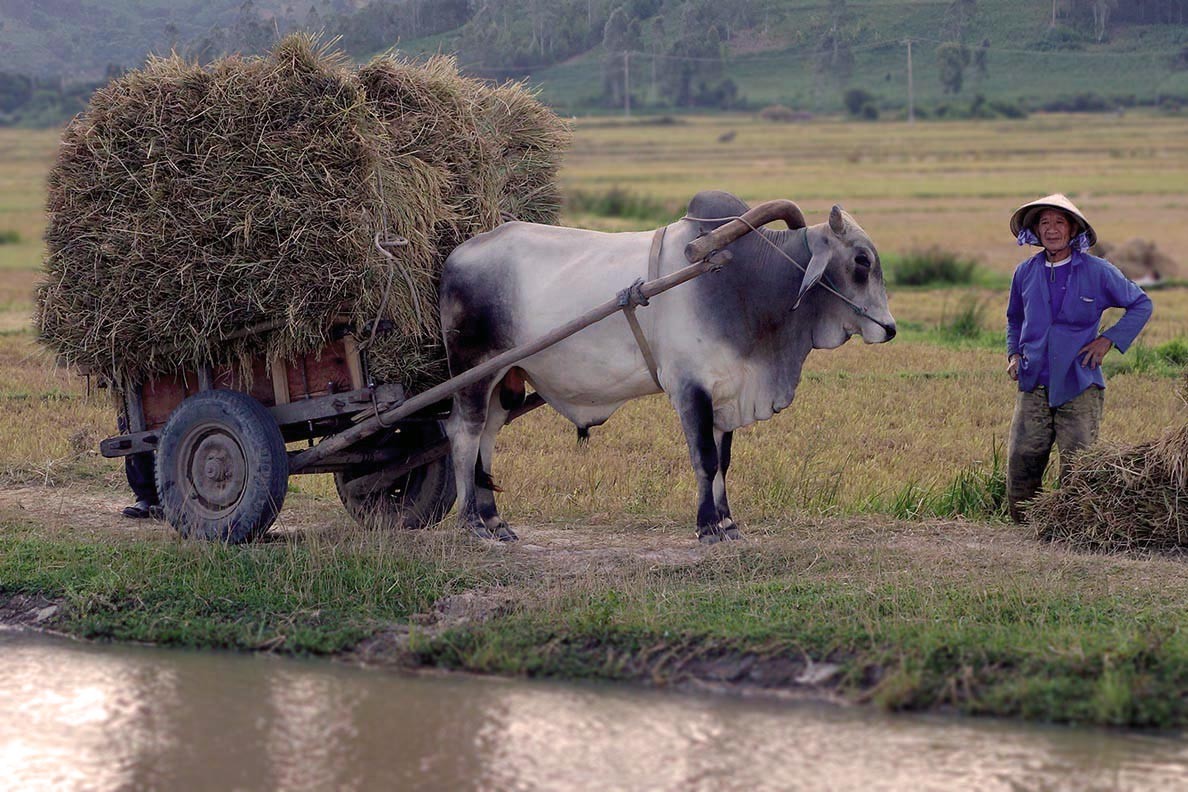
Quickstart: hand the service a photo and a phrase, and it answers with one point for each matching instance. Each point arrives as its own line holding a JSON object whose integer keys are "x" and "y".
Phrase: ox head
{"x": 852, "y": 299}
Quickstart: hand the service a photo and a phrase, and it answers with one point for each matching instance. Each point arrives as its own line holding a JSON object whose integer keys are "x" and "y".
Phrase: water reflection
{"x": 78, "y": 716}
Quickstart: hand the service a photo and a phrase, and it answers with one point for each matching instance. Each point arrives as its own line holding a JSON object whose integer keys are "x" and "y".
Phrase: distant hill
{"x": 1008, "y": 51}
{"x": 661, "y": 55}
{"x": 78, "y": 39}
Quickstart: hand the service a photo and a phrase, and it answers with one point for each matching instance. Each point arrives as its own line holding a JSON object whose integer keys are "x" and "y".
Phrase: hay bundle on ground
{"x": 1120, "y": 497}
{"x": 188, "y": 203}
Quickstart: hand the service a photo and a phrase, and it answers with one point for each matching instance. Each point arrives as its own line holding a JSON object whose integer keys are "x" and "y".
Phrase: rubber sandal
{"x": 139, "y": 510}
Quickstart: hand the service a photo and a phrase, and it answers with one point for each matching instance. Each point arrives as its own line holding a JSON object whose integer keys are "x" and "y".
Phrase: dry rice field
{"x": 867, "y": 422}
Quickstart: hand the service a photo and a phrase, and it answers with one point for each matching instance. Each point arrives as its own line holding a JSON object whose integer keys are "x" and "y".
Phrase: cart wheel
{"x": 413, "y": 501}
{"x": 222, "y": 469}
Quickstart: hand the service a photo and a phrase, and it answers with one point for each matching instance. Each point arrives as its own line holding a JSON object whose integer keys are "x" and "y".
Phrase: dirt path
{"x": 579, "y": 548}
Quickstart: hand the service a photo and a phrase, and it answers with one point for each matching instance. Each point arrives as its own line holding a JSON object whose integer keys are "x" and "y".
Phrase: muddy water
{"x": 79, "y": 716}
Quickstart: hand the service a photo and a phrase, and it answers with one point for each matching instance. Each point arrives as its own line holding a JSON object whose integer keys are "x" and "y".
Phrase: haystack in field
{"x": 1121, "y": 497}
{"x": 1141, "y": 260}
{"x": 189, "y": 203}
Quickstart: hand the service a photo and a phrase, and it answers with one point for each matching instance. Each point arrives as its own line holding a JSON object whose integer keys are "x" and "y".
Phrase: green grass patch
{"x": 1168, "y": 359}
{"x": 621, "y": 203}
{"x": 303, "y": 596}
{"x": 977, "y": 492}
{"x": 932, "y": 266}
{"x": 9, "y": 237}
{"x": 965, "y": 326}
{"x": 1000, "y": 645}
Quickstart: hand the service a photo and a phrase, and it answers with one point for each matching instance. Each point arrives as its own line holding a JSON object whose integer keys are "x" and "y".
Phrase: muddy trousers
{"x": 139, "y": 470}
{"x": 1035, "y": 427}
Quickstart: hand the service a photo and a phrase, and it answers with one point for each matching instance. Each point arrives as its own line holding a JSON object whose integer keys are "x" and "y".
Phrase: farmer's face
{"x": 1054, "y": 231}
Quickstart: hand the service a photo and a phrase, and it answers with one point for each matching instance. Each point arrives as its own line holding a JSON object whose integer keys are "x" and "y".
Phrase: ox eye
{"x": 862, "y": 260}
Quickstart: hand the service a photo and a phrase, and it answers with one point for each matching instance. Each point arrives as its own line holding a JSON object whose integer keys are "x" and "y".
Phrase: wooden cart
{"x": 221, "y": 440}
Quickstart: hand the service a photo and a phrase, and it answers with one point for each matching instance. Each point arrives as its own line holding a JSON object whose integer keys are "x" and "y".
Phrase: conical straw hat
{"x": 1026, "y": 215}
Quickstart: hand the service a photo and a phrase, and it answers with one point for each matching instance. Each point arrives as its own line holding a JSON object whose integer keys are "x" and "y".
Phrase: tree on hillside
{"x": 250, "y": 34}
{"x": 1153, "y": 12}
{"x": 15, "y": 91}
{"x": 981, "y": 56}
{"x": 951, "y": 59}
{"x": 620, "y": 38}
{"x": 1101, "y": 16}
{"x": 958, "y": 16}
{"x": 313, "y": 20}
{"x": 656, "y": 49}
{"x": 691, "y": 71}
{"x": 834, "y": 57}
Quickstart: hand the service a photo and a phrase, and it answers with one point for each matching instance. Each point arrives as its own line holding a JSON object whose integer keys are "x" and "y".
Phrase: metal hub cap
{"x": 217, "y": 470}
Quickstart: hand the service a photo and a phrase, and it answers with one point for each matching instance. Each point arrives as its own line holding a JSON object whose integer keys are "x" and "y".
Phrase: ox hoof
{"x": 725, "y": 531}
{"x": 499, "y": 533}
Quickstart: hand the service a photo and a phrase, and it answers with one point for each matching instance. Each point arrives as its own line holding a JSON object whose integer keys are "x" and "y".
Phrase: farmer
{"x": 139, "y": 470}
{"x": 1054, "y": 347}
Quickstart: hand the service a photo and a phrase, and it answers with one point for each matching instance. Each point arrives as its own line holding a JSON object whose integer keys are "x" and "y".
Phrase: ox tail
{"x": 483, "y": 480}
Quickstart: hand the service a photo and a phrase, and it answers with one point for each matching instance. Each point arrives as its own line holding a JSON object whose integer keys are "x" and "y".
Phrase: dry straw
{"x": 1121, "y": 497}
{"x": 189, "y": 203}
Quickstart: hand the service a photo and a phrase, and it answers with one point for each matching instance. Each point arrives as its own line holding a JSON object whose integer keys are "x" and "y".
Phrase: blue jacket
{"x": 1094, "y": 285}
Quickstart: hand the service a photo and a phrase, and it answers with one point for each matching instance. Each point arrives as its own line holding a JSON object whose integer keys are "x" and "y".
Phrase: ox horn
{"x": 702, "y": 247}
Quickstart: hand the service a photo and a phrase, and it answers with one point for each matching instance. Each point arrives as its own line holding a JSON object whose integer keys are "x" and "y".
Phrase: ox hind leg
{"x": 709, "y": 451}
{"x": 474, "y": 422}
{"x": 727, "y": 528}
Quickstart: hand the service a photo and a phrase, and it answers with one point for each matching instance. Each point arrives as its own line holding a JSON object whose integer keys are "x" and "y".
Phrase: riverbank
{"x": 976, "y": 618}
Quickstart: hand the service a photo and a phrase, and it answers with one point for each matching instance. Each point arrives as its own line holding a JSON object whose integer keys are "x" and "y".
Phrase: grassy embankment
{"x": 917, "y": 613}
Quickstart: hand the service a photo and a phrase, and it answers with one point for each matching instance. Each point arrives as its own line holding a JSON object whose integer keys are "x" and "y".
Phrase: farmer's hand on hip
{"x": 1092, "y": 353}
{"x": 1013, "y": 367}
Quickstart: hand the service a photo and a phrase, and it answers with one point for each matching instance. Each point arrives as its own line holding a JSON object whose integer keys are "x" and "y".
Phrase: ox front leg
{"x": 466, "y": 428}
{"x": 696, "y": 411}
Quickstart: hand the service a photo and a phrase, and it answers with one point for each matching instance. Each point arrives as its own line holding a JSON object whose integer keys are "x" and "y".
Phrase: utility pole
{"x": 911, "y": 86}
{"x": 627, "y": 84}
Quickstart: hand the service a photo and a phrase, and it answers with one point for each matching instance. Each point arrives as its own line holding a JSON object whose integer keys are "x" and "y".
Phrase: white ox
{"x": 728, "y": 346}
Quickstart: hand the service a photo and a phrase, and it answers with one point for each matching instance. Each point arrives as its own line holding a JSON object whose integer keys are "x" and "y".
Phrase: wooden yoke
{"x": 779, "y": 209}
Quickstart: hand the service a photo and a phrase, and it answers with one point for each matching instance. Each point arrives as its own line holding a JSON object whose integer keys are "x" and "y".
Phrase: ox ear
{"x": 812, "y": 274}
{"x": 837, "y": 221}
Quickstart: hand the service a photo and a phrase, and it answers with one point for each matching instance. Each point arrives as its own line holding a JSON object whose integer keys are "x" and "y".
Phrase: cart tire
{"x": 222, "y": 470}
{"x": 421, "y": 498}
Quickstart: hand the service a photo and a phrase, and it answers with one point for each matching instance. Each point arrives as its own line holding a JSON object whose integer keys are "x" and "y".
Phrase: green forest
{"x": 868, "y": 58}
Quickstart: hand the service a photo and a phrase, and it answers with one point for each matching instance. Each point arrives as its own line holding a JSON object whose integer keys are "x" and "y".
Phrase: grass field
{"x": 957, "y": 613}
